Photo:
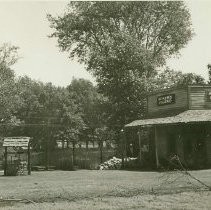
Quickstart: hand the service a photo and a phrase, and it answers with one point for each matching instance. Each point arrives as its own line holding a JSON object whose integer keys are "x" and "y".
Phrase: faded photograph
{"x": 105, "y": 105}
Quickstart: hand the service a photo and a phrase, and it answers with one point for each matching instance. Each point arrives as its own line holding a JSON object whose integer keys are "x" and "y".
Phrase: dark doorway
{"x": 195, "y": 146}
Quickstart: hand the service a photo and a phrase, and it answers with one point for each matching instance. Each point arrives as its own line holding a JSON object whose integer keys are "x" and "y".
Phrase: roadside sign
{"x": 16, "y": 142}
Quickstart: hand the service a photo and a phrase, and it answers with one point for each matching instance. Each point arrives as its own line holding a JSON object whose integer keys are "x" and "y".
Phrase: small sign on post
{"x": 16, "y": 142}
{"x": 20, "y": 142}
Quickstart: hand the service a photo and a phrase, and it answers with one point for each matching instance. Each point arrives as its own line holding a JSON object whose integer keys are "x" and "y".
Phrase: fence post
{"x": 122, "y": 147}
{"x": 5, "y": 164}
{"x": 29, "y": 160}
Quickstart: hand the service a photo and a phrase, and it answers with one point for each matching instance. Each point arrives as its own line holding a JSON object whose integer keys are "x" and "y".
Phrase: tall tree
{"x": 70, "y": 118}
{"x": 122, "y": 44}
{"x": 170, "y": 78}
{"x": 47, "y": 112}
{"x": 9, "y": 98}
{"x": 8, "y": 55}
{"x": 90, "y": 104}
{"x": 88, "y": 100}
{"x": 209, "y": 73}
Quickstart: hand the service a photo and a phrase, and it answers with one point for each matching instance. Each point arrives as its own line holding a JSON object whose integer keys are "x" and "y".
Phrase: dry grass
{"x": 93, "y": 190}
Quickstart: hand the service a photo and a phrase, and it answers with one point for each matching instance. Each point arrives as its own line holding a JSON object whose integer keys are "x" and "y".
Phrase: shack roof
{"x": 184, "y": 117}
{"x": 176, "y": 88}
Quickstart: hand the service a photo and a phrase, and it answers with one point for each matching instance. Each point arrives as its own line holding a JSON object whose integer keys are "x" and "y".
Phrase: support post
{"x": 87, "y": 149}
{"x": 156, "y": 148}
{"x": 139, "y": 143}
{"x": 46, "y": 154}
{"x": 29, "y": 160}
{"x": 122, "y": 147}
{"x": 5, "y": 163}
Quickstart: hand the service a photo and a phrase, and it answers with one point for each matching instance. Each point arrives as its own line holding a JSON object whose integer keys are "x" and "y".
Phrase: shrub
{"x": 116, "y": 163}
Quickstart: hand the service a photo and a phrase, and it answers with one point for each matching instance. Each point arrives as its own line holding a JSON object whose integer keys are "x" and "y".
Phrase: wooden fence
{"x": 63, "y": 158}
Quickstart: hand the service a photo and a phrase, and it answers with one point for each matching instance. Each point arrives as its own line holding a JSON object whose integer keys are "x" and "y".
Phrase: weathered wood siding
{"x": 181, "y": 103}
{"x": 162, "y": 145}
{"x": 198, "y": 98}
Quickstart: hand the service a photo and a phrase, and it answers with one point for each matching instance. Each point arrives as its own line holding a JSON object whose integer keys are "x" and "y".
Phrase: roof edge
{"x": 176, "y": 88}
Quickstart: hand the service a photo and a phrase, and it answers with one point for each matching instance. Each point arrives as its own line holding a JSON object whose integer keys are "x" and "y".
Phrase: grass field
{"x": 94, "y": 190}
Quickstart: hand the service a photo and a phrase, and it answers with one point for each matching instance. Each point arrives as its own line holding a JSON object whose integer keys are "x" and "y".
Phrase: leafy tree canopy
{"x": 170, "y": 78}
{"x": 9, "y": 98}
{"x": 209, "y": 73}
{"x": 122, "y": 44}
{"x": 8, "y": 55}
{"x": 92, "y": 106}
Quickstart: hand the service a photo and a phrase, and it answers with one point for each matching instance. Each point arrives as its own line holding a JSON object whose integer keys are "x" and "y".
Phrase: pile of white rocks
{"x": 114, "y": 163}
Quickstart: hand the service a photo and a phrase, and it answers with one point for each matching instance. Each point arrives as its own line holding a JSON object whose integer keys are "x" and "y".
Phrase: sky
{"x": 24, "y": 24}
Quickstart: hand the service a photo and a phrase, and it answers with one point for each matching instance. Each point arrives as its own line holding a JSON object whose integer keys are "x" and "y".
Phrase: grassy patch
{"x": 85, "y": 189}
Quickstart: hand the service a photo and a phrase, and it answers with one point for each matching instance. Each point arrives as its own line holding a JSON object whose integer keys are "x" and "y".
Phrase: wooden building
{"x": 178, "y": 123}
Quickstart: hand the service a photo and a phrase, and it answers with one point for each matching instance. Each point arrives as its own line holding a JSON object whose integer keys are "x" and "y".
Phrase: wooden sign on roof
{"x": 16, "y": 142}
{"x": 171, "y": 102}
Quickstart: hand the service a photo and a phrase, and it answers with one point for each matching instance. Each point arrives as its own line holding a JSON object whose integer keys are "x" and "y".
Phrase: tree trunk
{"x": 87, "y": 149}
{"x": 46, "y": 154}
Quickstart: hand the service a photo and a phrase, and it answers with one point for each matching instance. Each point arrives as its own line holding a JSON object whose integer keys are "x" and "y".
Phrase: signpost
{"x": 139, "y": 143}
{"x": 16, "y": 142}
{"x": 22, "y": 142}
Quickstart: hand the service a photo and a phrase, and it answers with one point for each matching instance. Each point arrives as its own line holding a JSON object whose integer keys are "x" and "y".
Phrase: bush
{"x": 116, "y": 163}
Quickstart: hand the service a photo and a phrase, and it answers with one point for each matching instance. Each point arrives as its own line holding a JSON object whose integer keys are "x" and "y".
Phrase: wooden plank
{"x": 181, "y": 101}
{"x": 166, "y": 112}
{"x": 198, "y": 97}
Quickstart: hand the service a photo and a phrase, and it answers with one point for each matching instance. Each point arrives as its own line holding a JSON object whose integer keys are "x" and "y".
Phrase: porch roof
{"x": 184, "y": 117}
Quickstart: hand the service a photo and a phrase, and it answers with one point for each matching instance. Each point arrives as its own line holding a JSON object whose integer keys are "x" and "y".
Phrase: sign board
{"x": 166, "y": 99}
{"x": 16, "y": 142}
